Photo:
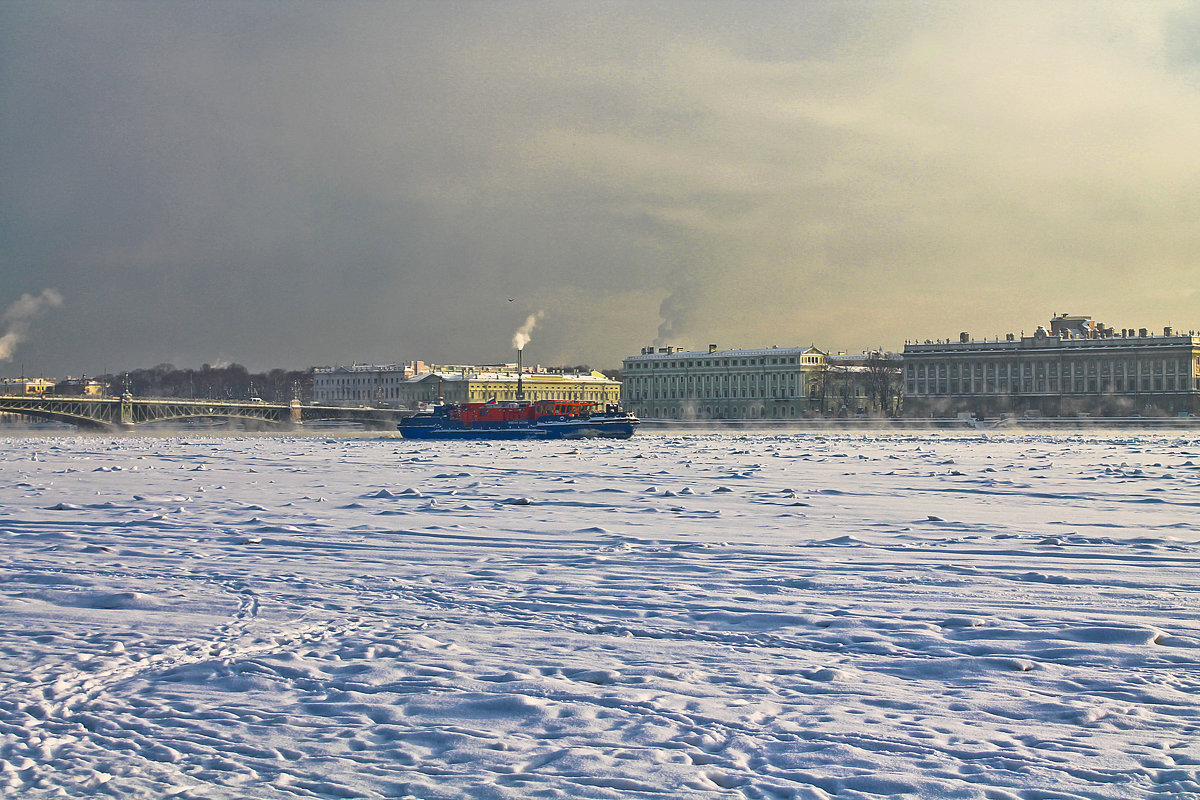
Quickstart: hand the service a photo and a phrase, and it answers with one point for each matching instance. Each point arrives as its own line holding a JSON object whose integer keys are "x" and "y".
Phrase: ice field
{"x": 794, "y": 616}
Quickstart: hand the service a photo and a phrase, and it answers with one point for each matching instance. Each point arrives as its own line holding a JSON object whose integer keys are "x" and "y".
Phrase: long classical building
{"x": 410, "y": 385}
{"x": 362, "y": 384}
{"x": 1077, "y": 367}
{"x": 481, "y": 386}
{"x": 769, "y": 383}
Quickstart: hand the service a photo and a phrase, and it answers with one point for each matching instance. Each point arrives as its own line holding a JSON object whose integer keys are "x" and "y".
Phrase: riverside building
{"x": 482, "y": 384}
{"x": 362, "y": 384}
{"x": 1078, "y": 367}
{"x": 771, "y": 383}
{"x": 26, "y": 386}
{"x": 410, "y": 385}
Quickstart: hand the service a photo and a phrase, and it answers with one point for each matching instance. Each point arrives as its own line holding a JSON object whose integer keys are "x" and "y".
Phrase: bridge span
{"x": 127, "y": 412}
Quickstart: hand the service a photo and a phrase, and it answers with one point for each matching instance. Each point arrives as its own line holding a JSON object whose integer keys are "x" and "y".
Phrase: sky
{"x": 309, "y": 183}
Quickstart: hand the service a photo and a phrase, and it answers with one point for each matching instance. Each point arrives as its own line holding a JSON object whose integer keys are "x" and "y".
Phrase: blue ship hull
{"x": 616, "y": 427}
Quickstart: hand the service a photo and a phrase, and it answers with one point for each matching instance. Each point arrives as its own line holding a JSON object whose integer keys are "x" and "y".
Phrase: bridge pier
{"x": 126, "y": 420}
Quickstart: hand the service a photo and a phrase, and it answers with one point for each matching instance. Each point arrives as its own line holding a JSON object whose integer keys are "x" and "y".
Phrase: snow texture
{"x": 802, "y": 616}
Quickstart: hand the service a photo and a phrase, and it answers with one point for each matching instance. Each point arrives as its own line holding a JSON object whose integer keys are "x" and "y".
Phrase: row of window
{"x": 715, "y": 386}
{"x": 1076, "y": 376}
{"x": 1050, "y": 368}
{"x": 374, "y": 393}
{"x": 543, "y": 394}
{"x": 1052, "y": 385}
{"x": 716, "y": 412}
{"x": 694, "y": 363}
{"x": 398, "y": 378}
{"x": 429, "y": 393}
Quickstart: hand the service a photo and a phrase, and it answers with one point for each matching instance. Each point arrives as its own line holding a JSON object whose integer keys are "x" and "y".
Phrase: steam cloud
{"x": 18, "y": 317}
{"x": 521, "y": 337}
{"x": 676, "y": 310}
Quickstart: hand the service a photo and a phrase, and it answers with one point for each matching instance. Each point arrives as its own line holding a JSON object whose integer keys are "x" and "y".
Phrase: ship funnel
{"x": 520, "y": 390}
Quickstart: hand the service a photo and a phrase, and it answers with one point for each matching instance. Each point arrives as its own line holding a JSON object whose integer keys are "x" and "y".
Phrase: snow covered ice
{"x": 803, "y": 616}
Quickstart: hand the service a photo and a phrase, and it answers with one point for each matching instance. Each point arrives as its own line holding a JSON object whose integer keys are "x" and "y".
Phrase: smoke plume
{"x": 521, "y": 337}
{"x": 18, "y": 317}
{"x": 676, "y": 311}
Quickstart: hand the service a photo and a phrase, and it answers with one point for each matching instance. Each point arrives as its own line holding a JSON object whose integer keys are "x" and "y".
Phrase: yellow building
{"x": 26, "y": 386}
{"x": 467, "y": 386}
{"x": 80, "y": 387}
{"x": 543, "y": 386}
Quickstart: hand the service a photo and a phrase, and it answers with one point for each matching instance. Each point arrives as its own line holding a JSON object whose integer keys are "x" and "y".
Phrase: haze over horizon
{"x": 316, "y": 183}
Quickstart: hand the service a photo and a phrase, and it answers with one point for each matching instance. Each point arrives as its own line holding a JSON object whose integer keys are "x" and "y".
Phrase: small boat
{"x": 520, "y": 419}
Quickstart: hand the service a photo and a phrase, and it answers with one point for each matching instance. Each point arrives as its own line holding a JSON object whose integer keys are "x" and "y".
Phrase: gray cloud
{"x": 330, "y": 182}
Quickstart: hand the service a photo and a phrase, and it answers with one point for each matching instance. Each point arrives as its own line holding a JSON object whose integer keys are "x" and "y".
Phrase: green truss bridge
{"x": 127, "y": 412}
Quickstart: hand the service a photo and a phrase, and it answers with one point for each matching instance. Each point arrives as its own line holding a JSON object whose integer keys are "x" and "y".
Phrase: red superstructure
{"x": 469, "y": 414}
{"x": 520, "y": 419}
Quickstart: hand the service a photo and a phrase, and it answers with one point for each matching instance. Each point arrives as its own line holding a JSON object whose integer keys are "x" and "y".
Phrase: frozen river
{"x": 809, "y": 616}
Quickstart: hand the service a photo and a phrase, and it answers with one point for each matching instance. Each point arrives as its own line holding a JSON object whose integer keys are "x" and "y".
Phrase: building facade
{"x": 362, "y": 384}
{"x": 1077, "y": 367}
{"x": 411, "y": 385}
{"x": 771, "y": 383}
{"x": 26, "y": 386}
{"x": 80, "y": 387}
{"x": 593, "y": 386}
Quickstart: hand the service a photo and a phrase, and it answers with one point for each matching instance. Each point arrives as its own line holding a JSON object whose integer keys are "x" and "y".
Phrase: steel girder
{"x": 112, "y": 412}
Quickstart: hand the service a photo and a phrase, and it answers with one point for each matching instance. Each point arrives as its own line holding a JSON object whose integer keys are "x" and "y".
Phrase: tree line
{"x": 229, "y": 383}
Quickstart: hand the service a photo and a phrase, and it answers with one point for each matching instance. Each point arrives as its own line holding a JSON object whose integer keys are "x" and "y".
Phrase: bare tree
{"x": 885, "y": 384}
{"x": 818, "y": 386}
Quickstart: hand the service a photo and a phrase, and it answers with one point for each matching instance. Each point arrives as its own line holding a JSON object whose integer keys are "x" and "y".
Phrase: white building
{"x": 363, "y": 384}
{"x": 1077, "y": 367}
{"x": 769, "y": 383}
